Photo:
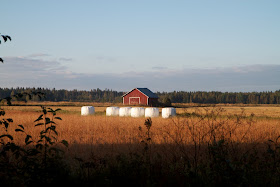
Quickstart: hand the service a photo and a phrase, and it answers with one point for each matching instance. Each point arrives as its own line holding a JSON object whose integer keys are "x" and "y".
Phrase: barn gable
{"x": 145, "y": 91}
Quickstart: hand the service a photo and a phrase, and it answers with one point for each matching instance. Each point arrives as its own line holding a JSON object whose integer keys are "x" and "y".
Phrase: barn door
{"x": 134, "y": 100}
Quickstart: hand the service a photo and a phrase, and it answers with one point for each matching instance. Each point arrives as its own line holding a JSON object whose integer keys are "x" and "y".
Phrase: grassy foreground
{"x": 205, "y": 146}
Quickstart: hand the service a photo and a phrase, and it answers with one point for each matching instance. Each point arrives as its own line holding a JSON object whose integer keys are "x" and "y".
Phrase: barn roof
{"x": 145, "y": 91}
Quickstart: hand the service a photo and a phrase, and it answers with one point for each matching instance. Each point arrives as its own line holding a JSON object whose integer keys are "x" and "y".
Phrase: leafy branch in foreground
{"x": 38, "y": 158}
{"x": 5, "y": 38}
{"x": 48, "y": 136}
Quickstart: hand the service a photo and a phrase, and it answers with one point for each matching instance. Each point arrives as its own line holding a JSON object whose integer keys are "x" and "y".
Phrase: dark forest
{"x": 98, "y": 95}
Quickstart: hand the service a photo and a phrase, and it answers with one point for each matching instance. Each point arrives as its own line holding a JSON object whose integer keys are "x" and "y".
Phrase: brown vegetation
{"x": 208, "y": 145}
{"x": 194, "y": 128}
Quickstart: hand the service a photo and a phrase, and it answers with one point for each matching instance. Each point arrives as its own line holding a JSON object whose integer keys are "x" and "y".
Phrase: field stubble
{"x": 201, "y": 146}
{"x": 108, "y": 135}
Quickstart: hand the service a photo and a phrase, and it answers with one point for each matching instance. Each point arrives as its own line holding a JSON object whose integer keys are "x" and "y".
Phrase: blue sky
{"x": 159, "y": 44}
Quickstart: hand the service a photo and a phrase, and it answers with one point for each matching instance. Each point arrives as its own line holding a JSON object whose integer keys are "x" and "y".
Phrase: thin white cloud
{"x": 159, "y": 68}
{"x": 103, "y": 58}
{"x": 30, "y": 64}
{"x": 66, "y": 59}
{"x": 35, "y": 55}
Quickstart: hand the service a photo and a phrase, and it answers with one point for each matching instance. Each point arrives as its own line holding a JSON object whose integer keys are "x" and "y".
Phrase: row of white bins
{"x": 140, "y": 112}
{"x": 131, "y": 111}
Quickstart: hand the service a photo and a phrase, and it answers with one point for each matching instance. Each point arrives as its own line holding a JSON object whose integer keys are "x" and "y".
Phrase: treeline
{"x": 94, "y": 95}
{"x": 98, "y": 95}
{"x": 222, "y": 97}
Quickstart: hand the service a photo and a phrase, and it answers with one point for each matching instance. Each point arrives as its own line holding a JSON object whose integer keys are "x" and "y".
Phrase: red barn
{"x": 140, "y": 96}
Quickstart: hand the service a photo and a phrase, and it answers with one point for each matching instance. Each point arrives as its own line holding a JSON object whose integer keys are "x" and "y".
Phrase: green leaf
{"x": 19, "y": 130}
{"x": 21, "y": 126}
{"x": 7, "y": 135}
{"x": 58, "y": 118}
{"x": 6, "y": 124}
{"x": 64, "y": 142}
{"x": 48, "y": 128}
{"x": 57, "y": 109}
{"x": 52, "y": 122}
{"x": 29, "y": 142}
{"x": 2, "y": 113}
{"x": 39, "y": 118}
{"x": 9, "y": 37}
{"x": 54, "y": 137}
{"x": 38, "y": 124}
{"x": 26, "y": 139}
{"x": 55, "y": 132}
{"x": 48, "y": 139}
{"x": 47, "y": 120}
{"x": 4, "y": 37}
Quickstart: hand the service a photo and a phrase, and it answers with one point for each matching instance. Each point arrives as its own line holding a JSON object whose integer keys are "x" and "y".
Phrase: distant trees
{"x": 222, "y": 97}
{"x": 94, "y": 95}
{"x": 166, "y": 98}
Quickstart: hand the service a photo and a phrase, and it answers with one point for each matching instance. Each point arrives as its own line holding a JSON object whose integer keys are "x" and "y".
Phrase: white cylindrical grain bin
{"x": 125, "y": 111}
{"x": 112, "y": 111}
{"x": 137, "y": 112}
{"x": 87, "y": 110}
{"x": 151, "y": 112}
{"x": 168, "y": 112}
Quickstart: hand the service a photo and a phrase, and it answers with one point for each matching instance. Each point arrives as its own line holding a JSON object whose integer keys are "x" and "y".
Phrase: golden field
{"x": 222, "y": 145}
{"x": 102, "y": 134}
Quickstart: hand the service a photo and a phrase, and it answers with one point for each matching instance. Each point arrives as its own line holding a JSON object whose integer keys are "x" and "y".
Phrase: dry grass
{"x": 259, "y": 111}
{"x": 61, "y": 103}
{"x": 87, "y": 133}
{"x": 204, "y": 145}
{"x": 75, "y": 107}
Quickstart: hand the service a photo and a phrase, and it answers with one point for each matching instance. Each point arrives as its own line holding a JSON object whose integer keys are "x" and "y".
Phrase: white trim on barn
{"x": 134, "y": 98}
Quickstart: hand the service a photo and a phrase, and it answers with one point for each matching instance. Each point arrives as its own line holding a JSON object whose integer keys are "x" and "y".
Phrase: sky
{"x": 163, "y": 45}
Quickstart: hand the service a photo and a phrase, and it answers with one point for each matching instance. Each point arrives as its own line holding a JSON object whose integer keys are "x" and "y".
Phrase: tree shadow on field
{"x": 216, "y": 163}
